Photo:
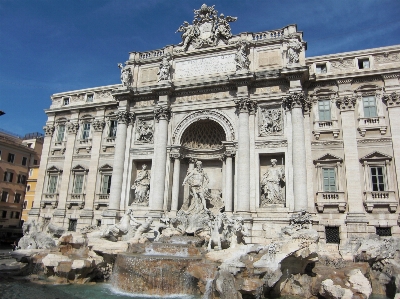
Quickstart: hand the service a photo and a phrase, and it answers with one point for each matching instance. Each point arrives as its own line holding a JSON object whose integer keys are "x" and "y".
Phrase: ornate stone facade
{"x": 275, "y": 132}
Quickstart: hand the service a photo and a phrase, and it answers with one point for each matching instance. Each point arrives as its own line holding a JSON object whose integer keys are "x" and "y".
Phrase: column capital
{"x": 72, "y": 127}
{"x": 98, "y": 125}
{"x": 392, "y": 99}
{"x": 346, "y": 103}
{"x": 125, "y": 117}
{"x": 245, "y": 105}
{"x": 297, "y": 100}
{"x": 48, "y": 130}
{"x": 162, "y": 112}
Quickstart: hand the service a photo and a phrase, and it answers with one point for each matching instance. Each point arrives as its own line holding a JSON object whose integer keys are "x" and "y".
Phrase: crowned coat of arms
{"x": 207, "y": 29}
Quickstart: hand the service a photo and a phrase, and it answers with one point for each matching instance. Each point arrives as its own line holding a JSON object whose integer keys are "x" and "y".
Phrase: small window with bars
{"x": 72, "y": 225}
{"x": 384, "y": 231}
{"x": 89, "y": 98}
{"x": 332, "y": 234}
{"x": 324, "y": 110}
{"x": 377, "y": 178}
{"x": 369, "y": 105}
{"x": 321, "y": 68}
{"x": 329, "y": 177}
{"x": 363, "y": 63}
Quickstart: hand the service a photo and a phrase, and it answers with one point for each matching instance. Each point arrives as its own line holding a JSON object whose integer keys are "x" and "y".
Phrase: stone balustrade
{"x": 76, "y": 199}
{"x": 330, "y": 126}
{"x": 372, "y": 123}
{"x": 373, "y": 199}
{"x": 101, "y": 200}
{"x": 331, "y": 199}
{"x": 49, "y": 199}
{"x": 268, "y": 35}
{"x": 151, "y": 54}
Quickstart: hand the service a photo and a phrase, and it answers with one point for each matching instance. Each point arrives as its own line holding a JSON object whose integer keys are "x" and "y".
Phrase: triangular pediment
{"x": 79, "y": 168}
{"x": 106, "y": 167}
{"x": 328, "y": 158}
{"x": 53, "y": 169}
{"x": 376, "y": 156}
{"x": 367, "y": 88}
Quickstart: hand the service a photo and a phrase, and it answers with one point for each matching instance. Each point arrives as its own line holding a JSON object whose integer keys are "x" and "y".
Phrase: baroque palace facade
{"x": 269, "y": 131}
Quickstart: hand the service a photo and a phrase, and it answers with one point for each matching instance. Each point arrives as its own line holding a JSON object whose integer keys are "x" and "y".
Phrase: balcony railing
{"x": 101, "y": 200}
{"x": 372, "y": 123}
{"x": 330, "y": 199}
{"x": 76, "y": 199}
{"x": 374, "y": 199}
{"x": 49, "y": 199}
{"x": 326, "y": 126}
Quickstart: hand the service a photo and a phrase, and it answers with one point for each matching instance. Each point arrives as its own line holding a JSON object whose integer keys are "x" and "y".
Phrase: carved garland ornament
{"x": 48, "y": 130}
{"x": 72, "y": 127}
{"x": 162, "y": 112}
{"x": 125, "y": 117}
{"x": 392, "y": 100}
{"x": 98, "y": 125}
{"x": 296, "y": 100}
{"x": 245, "y": 105}
{"x": 346, "y": 103}
{"x": 201, "y": 115}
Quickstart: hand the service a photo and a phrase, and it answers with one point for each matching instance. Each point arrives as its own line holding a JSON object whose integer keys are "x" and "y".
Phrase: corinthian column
{"x": 296, "y": 102}
{"x": 244, "y": 106}
{"x": 124, "y": 117}
{"x": 356, "y": 211}
{"x": 162, "y": 116}
{"x": 175, "y": 181}
{"x": 393, "y": 103}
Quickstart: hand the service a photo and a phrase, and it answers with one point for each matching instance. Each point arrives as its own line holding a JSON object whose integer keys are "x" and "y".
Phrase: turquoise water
{"x": 24, "y": 290}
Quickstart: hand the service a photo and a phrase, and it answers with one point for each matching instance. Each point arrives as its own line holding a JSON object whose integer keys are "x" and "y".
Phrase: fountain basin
{"x": 154, "y": 274}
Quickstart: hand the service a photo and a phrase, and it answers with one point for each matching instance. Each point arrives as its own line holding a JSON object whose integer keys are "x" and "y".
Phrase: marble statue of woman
{"x": 142, "y": 186}
{"x": 271, "y": 185}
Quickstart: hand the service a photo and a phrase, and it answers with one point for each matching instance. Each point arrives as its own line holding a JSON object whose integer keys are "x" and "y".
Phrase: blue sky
{"x": 49, "y": 46}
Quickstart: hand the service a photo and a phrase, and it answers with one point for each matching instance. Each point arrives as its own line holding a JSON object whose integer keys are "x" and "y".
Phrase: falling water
{"x": 154, "y": 275}
{"x": 208, "y": 294}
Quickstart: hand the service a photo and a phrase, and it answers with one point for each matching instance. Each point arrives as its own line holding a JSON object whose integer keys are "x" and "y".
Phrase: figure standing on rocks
{"x": 198, "y": 181}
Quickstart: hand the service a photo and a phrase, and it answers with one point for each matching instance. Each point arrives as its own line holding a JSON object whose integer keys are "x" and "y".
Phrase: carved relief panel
{"x": 270, "y": 121}
{"x": 144, "y": 131}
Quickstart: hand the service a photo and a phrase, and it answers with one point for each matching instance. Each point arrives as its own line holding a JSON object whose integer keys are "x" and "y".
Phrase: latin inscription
{"x": 205, "y": 66}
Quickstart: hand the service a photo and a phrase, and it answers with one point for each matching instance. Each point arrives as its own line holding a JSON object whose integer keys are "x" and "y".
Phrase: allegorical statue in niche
{"x": 294, "y": 49}
{"x": 197, "y": 180}
{"x": 164, "y": 68}
{"x": 241, "y": 59}
{"x": 144, "y": 131}
{"x": 272, "y": 184}
{"x": 142, "y": 186}
{"x": 126, "y": 75}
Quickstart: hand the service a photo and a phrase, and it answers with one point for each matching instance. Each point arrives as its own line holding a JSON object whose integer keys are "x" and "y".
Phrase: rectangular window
{"x": 12, "y": 214}
{"x": 384, "y": 231}
{"x": 66, "y": 101}
{"x": 4, "y": 196}
{"x": 98, "y": 222}
{"x": 329, "y": 179}
{"x": 60, "y": 133}
{"x": 25, "y": 204}
{"x": 17, "y": 215}
{"x": 113, "y": 128}
{"x": 369, "y": 105}
{"x": 363, "y": 64}
{"x": 89, "y": 98}
{"x": 0, "y": 155}
{"x": 377, "y": 178}
{"x": 72, "y": 225}
{"x": 86, "y": 131}
{"x": 21, "y": 179}
{"x": 30, "y": 172}
{"x": 324, "y": 110}
{"x": 332, "y": 234}
{"x": 106, "y": 184}
{"x": 4, "y": 214}
{"x": 52, "y": 187}
{"x": 8, "y": 176}
{"x": 17, "y": 198}
{"x": 78, "y": 183}
{"x": 35, "y": 162}
{"x": 11, "y": 158}
{"x": 321, "y": 68}
{"x": 24, "y": 161}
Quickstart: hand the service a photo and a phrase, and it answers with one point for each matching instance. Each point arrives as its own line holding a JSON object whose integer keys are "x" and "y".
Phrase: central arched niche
{"x": 203, "y": 134}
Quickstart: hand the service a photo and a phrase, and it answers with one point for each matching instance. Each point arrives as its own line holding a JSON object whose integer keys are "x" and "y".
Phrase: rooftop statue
{"x": 206, "y": 30}
{"x": 126, "y": 75}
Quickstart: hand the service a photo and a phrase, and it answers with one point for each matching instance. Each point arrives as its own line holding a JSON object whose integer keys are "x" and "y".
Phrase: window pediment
{"x": 79, "y": 168}
{"x": 367, "y": 89}
{"x": 54, "y": 169}
{"x": 376, "y": 156}
{"x": 105, "y": 168}
{"x": 328, "y": 158}
{"x": 323, "y": 93}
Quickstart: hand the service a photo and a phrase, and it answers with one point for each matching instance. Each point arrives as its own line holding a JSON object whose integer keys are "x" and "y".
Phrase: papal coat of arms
{"x": 206, "y": 30}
